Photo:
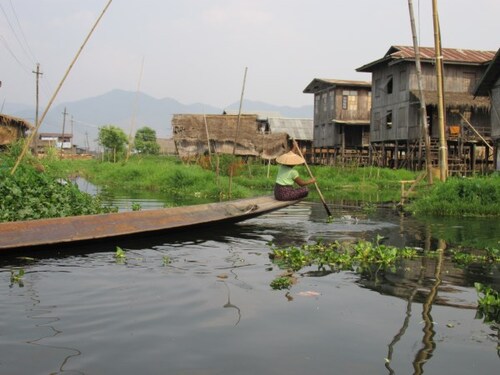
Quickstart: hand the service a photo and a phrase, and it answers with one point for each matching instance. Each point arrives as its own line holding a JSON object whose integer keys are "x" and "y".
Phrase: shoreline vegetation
{"x": 43, "y": 188}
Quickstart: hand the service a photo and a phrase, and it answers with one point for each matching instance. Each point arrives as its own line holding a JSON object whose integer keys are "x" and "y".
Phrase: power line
{"x": 13, "y": 54}
{"x": 22, "y": 32}
{"x": 15, "y": 34}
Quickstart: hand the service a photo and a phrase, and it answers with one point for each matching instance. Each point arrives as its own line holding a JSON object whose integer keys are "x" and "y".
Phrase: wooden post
{"x": 38, "y": 74}
{"x": 424, "y": 126}
{"x": 443, "y": 150}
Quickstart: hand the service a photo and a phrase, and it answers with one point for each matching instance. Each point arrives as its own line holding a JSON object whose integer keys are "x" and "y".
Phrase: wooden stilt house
{"x": 489, "y": 86}
{"x": 395, "y": 131}
{"x": 341, "y": 120}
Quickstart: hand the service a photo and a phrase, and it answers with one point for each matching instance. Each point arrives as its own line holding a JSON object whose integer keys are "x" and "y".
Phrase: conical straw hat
{"x": 290, "y": 158}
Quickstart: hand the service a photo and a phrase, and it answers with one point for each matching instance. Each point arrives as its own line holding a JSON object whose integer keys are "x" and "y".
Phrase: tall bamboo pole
{"x": 239, "y": 112}
{"x": 443, "y": 149}
{"x": 236, "y": 133}
{"x": 30, "y": 138}
{"x": 424, "y": 128}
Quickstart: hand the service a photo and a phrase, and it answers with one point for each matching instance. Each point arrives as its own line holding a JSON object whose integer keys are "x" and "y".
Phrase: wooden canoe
{"x": 69, "y": 230}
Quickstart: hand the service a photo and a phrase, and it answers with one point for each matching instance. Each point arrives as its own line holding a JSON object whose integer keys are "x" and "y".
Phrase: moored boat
{"x": 76, "y": 229}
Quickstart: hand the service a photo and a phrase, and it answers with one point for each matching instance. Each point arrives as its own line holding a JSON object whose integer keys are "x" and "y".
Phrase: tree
{"x": 113, "y": 139}
{"x": 145, "y": 141}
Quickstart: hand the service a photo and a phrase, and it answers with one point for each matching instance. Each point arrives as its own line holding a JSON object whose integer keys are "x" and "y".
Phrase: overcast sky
{"x": 196, "y": 51}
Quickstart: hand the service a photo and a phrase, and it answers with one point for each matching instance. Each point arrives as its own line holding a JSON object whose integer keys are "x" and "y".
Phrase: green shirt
{"x": 286, "y": 175}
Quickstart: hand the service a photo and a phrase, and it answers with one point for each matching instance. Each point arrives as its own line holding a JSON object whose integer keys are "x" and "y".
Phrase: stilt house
{"x": 489, "y": 86}
{"x": 395, "y": 131}
{"x": 341, "y": 118}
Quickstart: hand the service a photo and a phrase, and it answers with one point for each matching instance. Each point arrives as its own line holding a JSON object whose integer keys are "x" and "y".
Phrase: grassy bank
{"x": 478, "y": 196}
{"x": 170, "y": 175}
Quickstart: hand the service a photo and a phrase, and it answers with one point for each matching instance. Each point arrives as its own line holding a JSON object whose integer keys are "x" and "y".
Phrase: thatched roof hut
{"x": 192, "y": 131}
{"x": 12, "y": 128}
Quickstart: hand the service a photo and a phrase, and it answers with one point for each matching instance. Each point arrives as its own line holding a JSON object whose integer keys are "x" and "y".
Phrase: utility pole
{"x": 87, "y": 146}
{"x": 424, "y": 127}
{"x": 443, "y": 149}
{"x": 71, "y": 143}
{"x": 35, "y": 138}
{"x": 64, "y": 124}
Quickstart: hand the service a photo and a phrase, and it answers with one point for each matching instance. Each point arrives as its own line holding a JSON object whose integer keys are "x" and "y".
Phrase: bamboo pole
{"x": 443, "y": 149}
{"x": 30, "y": 138}
{"x": 236, "y": 133}
{"x": 315, "y": 183}
{"x": 208, "y": 140}
{"x": 239, "y": 111}
{"x": 424, "y": 127}
{"x": 475, "y": 131}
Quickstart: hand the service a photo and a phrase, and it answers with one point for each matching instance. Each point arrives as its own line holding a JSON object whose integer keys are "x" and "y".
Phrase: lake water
{"x": 200, "y": 302}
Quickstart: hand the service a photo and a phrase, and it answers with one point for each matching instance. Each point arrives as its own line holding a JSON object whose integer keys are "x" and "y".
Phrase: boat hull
{"x": 75, "y": 229}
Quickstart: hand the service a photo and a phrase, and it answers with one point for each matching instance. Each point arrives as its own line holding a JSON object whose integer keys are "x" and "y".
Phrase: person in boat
{"x": 284, "y": 189}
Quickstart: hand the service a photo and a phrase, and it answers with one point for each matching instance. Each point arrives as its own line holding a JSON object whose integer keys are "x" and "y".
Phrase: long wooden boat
{"x": 65, "y": 230}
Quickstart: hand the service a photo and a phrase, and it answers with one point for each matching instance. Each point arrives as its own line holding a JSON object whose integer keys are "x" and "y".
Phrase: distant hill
{"x": 126, "y": 109}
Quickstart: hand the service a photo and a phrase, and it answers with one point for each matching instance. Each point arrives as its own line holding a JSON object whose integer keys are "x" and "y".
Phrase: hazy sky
{"x": 197, "y": 50}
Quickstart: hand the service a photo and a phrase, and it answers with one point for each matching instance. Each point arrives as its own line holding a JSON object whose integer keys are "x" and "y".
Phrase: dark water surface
{"x": 200, "y": 303}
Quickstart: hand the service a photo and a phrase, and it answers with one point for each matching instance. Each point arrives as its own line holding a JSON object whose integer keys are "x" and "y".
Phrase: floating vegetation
{"x": 282, "y": 282}
{"x": 488, "y": 303}
{"x": 336, "y": 256}
{"x": 120, "y": 255}
{"x": 136, "y": 206}
{"x": 370, "y": 258}
{"x": 17, "y": 278}
{"x": 490, "y": 256}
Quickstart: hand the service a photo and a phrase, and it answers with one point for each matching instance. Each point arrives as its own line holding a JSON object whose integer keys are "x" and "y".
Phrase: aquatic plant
{"x": 33, "y": 192}
{"x": 336, "y": 256}
{"x": 120, "y": 254}
{"x": 17, "y": 278}
{"x": 464, "y": 258}
{"x": 488, "y": 303}
{"x": 136, "y": 206}
{"x": 282, "y": 282}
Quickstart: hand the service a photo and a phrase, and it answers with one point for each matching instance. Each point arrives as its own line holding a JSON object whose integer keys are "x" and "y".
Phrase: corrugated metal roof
{"x": 449, "y": 54}
{"x": 318, "y": 84}
{"x": 427, "y": 54}
{"x": 299, "y": 129}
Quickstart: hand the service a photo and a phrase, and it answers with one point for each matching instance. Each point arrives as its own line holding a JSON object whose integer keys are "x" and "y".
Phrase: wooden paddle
{"x": 315, "y": 183}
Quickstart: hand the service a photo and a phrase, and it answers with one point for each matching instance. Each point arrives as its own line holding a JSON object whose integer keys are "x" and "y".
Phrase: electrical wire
{"x": 22, "y": 32}
{"x": 16, "y": 36}
{"x": 13, "y": 54}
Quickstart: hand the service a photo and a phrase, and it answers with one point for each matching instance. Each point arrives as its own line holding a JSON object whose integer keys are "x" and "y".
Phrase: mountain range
{"x": 131, "y": 111}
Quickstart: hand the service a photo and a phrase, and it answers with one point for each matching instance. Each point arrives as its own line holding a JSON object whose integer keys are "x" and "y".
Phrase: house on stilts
{"x": 489, "y": 86}
{"x": 396, "y": 137}
{"x": 341, "y": 121}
